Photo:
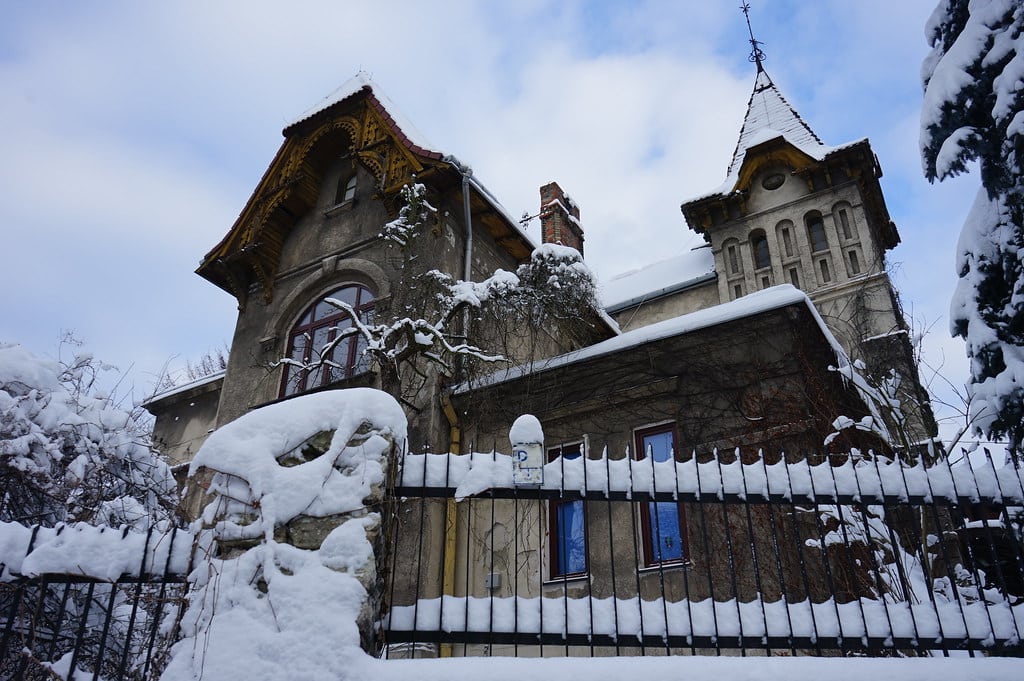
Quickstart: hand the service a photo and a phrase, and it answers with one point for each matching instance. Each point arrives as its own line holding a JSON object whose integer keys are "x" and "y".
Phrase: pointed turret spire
{"x": 769, "y": 115}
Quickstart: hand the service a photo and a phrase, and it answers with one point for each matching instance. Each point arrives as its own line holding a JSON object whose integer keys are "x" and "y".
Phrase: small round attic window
{"x": 773, "y": 181}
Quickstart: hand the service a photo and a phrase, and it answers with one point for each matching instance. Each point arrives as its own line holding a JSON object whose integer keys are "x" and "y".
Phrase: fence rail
{"x": 821, "y": 555}
{"x": 86, "y": 602}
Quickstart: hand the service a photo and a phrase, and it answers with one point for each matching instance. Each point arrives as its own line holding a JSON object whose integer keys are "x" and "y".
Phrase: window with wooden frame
{"x": 346, "y": 190}
{"x": 319, "y": 347}
{"x": 662, "y": 523}
{"x": 567, "y": 526}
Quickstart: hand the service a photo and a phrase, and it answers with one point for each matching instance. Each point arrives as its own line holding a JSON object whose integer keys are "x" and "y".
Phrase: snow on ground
{"x": 691, "y": 669}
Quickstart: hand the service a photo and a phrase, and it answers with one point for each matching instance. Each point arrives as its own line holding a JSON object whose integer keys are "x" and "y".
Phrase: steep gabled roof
{"x": 358, "y": 116}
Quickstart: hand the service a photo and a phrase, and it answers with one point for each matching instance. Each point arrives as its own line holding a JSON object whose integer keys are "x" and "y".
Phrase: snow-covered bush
{"x": 69, "y": 452}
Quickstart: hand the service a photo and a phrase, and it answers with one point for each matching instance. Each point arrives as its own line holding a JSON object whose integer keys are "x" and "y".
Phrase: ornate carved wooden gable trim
{"x": 250, "y": 252}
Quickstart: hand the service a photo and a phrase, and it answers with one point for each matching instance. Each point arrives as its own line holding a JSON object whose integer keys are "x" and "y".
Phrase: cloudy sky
{"x": 135, "y": 132}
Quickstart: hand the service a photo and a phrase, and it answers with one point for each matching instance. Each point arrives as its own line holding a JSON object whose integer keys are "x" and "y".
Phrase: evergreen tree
{"x": 974, "y": 111}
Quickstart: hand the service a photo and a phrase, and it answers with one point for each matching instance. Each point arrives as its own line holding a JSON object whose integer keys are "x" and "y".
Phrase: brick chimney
{"x": 559, "y": 218}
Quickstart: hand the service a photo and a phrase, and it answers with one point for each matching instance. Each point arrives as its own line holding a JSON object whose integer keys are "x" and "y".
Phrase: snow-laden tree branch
{"x": 974, "y": 111}
{"x": 554, "y": 284}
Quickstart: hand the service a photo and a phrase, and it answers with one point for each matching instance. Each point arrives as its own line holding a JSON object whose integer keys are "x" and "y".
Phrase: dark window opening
{"x": 567, "y": 525}
{"x": 787, "y": 242}
{"x": 765, "y": 282}
{"x": 826, "y": 276}
{"x": 844, "y": 223}
{"x": 734, "y": 260}
{"x": 854, "y": 263}
{"x": 322, "y": 344}
{"x": 759, "y": 245}
{"x": 816, "y": 230}
{"x": 794, "y": 278}
{"x": 662, "y": 523}
{"x": 737, "y": 290}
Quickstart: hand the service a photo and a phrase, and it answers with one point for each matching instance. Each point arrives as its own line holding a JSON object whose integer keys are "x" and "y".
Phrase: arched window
{"x": 816, "y": 232}
{"x": 786, "y": 235}
{"x": 346, "y": 187}
{"x": 759, "y": 248}
{"x": 319, "y": 342}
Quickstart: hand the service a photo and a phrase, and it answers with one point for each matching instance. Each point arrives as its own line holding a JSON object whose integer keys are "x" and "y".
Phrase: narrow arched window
{"x": 816, "y": 232}
{"x": 759, "y": 247}
{"x": 346, "y": 188}
{"x": 322, "y": 347}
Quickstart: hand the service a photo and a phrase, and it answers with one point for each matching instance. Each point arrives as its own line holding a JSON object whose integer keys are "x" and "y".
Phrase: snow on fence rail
{"x": 83, "y": 550}
{"x": 824, "y": 554}
{"x": 831, "y": 479}
{"x": 863, "y": 623}
{"x": 90, "y": 602}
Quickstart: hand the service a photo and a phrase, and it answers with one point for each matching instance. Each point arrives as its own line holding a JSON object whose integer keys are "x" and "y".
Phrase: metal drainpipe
{"x": 451, "y": 508}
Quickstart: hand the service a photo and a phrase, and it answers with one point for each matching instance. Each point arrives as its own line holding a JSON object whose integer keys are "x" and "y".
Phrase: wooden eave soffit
{"x": 251, "y": 251}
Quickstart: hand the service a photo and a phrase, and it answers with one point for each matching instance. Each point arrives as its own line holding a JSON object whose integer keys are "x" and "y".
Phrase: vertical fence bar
{"x": 611, "y": 544}
{"x": 687, "y": 559}
{"x": 854, "y": 577}
{"x": 753, "y": 552}
{"x": 783, "y": 591}
{"x": 636, "y": 556}
{"x": 708, "y": 556}
{"x": 135, "y": 604}
{"x": 729, "y": 552}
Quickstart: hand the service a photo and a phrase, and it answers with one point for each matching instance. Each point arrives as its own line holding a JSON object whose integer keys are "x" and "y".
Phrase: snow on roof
{"x": 747, "y": 306}
{"x": 352, "y": 86}
{"x": 201, "y": 381}
{"x": 656, "y": 279}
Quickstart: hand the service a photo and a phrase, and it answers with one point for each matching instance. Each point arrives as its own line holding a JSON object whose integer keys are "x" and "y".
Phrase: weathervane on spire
{"x": 756, "y": 54}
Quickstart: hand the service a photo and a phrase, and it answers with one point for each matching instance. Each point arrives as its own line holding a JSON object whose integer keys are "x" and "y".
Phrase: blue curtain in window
{"x": 665, "y": 533}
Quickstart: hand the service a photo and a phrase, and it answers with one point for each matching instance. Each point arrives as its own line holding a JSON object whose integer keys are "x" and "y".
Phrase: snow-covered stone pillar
{"x": 292, "y": 590}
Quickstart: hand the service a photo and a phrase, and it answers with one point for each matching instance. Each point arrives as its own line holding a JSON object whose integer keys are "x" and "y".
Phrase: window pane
{"x": 819, "y": 242}
{"x": 761, "y": 256}
{"x": 854, "y": 263}
{"x": 572, "y": 546}
{"x": 293, "y": 374}
{"x": 665, "y": 532}
{"x": 658, "y": 444}
{"x": 787, "y": 242}
{"x": 844, "y": 221}
{"x": 340, "y": 356}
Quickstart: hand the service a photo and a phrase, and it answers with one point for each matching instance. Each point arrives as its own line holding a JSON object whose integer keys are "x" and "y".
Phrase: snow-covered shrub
{"x": 68, "y": 452}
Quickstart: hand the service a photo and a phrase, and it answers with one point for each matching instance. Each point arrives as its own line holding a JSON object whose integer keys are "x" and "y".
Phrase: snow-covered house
{"x": 734, "y": 347}
{"x": 791, "y": 211}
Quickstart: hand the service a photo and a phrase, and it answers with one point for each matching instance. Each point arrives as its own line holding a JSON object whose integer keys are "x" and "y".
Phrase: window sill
{"x": 672, "y": 565}
{"x": 567, "y": 580}
{"x": 339, "y": 208}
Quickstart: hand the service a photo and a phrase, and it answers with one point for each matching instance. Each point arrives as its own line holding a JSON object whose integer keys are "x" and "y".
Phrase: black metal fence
{"x": 75, "y": 626}
{"x": 823, "y": 555}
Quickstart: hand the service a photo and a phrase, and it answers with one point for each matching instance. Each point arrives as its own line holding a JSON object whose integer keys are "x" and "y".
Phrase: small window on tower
{"x": 734, "y": 260}
{"x": 759, "y": 245}
{"x": 737, "y": 291}
{"x": 826, "y": 276}
{"x": 765, "y": 282}
{"x": 787, "y": 242}
{"x": 844, "y": 223}
{"x": 854, "y": 263}
{"x": 794, "y": 278}
{"x": 816, "y": 231}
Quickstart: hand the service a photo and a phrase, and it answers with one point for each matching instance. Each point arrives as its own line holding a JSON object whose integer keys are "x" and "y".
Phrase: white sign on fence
{"x": 527, "y": 465}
